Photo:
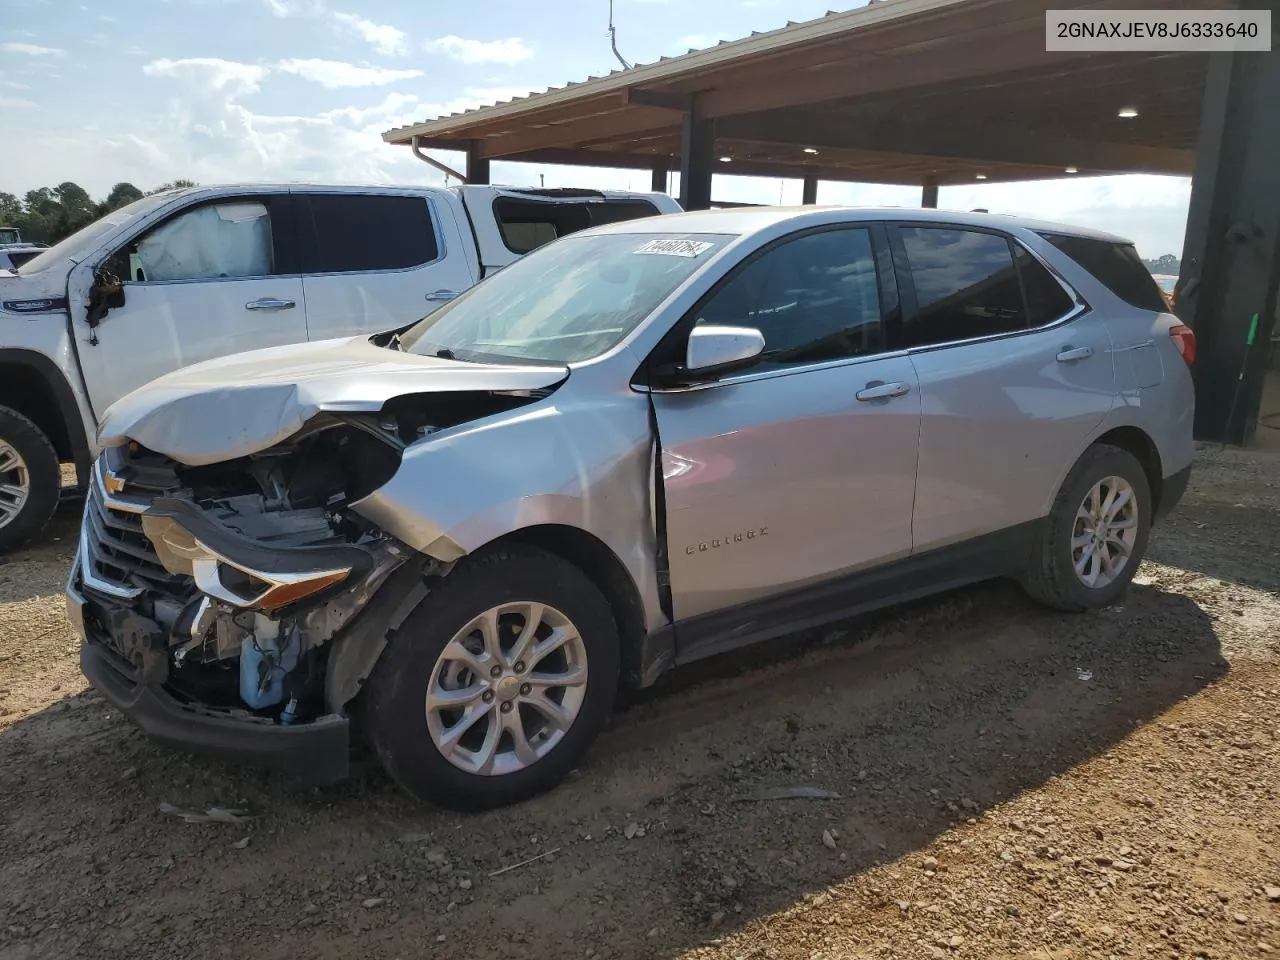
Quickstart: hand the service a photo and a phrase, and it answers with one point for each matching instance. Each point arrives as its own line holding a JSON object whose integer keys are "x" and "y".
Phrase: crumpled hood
{"x": 237, "y": 405}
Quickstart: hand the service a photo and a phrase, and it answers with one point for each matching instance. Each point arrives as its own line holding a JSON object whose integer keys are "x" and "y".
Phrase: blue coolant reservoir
{"x": 264, "y": 661}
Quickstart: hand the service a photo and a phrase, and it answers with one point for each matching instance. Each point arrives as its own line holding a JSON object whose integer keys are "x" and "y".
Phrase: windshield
{"x": 570, "y": 300}
{"x": 84, "y": 241}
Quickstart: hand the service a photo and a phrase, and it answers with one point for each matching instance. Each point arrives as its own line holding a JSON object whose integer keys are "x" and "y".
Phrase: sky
{"x": 222, "y": 91}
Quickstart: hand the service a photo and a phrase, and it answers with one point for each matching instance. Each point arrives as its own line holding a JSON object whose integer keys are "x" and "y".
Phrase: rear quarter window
{"x": 1116, "y": 266}
{"x": 529, "y": 224}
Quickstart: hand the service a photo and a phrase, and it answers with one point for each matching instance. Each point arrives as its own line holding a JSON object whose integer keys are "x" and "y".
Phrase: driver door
{"x": 800, "y": 469}
{"x": 214, "y": 278}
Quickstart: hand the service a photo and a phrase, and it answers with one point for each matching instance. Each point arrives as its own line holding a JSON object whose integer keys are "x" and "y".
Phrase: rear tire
{"x": 1077, "y": 543}
{"x": 30, "y": 480}
{"x": 442, "y": 654}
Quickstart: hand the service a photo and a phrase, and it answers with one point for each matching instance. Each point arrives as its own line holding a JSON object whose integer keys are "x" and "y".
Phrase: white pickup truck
{"x": 191, "y": 274}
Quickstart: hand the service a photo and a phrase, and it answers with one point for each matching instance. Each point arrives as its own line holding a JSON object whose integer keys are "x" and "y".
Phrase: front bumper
{"x": 316, "y": 752}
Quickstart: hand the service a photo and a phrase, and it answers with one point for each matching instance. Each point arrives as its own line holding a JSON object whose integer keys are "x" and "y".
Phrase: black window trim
{"x": 890, "y": 309}
{"x": 910, "y": 305}
{"x": 307, "y": 224}
{"x": 562, "y": 201}
{"x": 280, "y": 210}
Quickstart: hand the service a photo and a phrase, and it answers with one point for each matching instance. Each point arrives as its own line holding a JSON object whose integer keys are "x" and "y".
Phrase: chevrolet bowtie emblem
{"x": 113, "y": 483}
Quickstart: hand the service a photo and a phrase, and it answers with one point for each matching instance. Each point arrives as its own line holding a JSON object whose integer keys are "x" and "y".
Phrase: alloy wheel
{"x": 507, "y": 688}
{"x": 15, "y": 483}
{"x": 1105, "y": 532}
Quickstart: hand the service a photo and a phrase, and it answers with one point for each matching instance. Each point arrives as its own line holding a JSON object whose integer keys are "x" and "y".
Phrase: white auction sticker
{"x": 1197, "y": 31}
{"x": 676, "y": 248}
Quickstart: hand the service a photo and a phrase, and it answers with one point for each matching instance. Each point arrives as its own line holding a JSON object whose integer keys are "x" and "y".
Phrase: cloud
{"x": 333, "y": 74}
{"x": 384, "y": 38}
{"x": 296, "y": 8}
{"x": 510, "y": 51}
{"x": 32, "y": 50}
{"x": 229, "y": 75}
{"x": 17, "y": 103}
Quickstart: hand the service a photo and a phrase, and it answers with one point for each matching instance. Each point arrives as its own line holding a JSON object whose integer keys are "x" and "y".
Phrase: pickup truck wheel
{"x": 492, "y": 690}
{"x": 30, "y": 480}
{"x": 1089, "y": 547}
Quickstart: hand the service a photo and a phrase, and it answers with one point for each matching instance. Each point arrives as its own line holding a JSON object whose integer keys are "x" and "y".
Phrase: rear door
{"x": 1015, "y": 374}
{"x": 376, "y": 260}
{"x": 215, "y": 277}
{"x": 510, "y": 223}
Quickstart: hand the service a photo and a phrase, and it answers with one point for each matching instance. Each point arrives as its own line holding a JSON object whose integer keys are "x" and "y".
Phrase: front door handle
{"x": 442, "y": 295}
{"x": 270, "y": 303}
{"x": 1069, "y": 354}
{"x": 879, "y": 390}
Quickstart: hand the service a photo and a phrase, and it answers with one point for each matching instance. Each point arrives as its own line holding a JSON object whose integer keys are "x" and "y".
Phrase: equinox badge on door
{"x": 715, "y": 544}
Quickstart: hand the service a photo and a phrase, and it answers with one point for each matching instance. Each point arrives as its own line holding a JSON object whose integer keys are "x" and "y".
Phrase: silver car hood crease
{"x": 237, "y": 405}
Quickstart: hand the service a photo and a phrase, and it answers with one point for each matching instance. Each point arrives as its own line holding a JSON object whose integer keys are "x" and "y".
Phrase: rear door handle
{"x": 270, "y": 303}
{"x": 442, "y": 295}
{"x": 879, "y": 390}
{"x": 1069, "y": 354}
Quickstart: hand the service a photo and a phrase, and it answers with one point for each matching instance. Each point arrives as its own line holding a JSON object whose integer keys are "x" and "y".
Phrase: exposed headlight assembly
{"x": 240, "y": 571}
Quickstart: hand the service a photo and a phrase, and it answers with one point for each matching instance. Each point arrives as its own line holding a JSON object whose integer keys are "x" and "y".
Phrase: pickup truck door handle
{"x": 1069, "y": 354}
{"x": 270, "y": 303}
{"x": 879, "y": 390}
{"x": 442, "y": 295}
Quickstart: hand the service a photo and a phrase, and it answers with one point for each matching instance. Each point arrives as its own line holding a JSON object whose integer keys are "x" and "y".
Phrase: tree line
{"x": 51, "y": 214}
{"x": 1168, "y": 264}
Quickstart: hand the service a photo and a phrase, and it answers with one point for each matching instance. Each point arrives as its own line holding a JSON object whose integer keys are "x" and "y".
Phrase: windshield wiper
{"x": 445, "y": 354}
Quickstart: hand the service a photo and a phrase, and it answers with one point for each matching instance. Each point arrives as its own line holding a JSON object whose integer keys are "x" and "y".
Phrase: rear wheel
{"x": 1089, "y": 547}
{"x": 30, "y": 479}
{"x": 495, "y": 686}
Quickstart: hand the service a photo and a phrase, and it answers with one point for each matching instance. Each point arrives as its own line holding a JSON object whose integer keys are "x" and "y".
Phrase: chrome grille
{"x": 117, "y": 559}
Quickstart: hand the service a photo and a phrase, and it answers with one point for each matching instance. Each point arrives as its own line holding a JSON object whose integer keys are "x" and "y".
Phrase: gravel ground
{"x": 1012, "y": 783}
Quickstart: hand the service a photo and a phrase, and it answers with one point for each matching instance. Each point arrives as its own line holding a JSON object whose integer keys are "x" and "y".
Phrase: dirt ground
{"x": 1012, "y": 783}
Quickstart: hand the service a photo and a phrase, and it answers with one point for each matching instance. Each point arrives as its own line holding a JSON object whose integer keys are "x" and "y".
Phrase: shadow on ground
{"x": 919, "y": 719}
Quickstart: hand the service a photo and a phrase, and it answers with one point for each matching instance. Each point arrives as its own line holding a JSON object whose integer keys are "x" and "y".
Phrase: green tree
{"x": 173, "y": 185}
{"x": 121, "y": 195}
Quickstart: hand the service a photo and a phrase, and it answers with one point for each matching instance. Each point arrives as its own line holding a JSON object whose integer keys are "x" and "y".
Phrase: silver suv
{"x": 641, "y": 445}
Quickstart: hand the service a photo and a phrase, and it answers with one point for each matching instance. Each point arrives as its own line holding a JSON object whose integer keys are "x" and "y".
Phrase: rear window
{"x": 1116, "y": 266}
{"x": 18, "y": 258}
{"x": 529, "y": 224}
{"x": 362, "y": 232}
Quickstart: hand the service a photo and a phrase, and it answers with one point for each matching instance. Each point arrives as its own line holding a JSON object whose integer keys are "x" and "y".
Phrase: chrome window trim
{"x": 1079, "y": 310}
{"x": 750, "y": 376}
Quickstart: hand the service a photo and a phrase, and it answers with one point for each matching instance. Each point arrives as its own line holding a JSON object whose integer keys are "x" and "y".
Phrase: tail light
{"x": 1184, "y": 338}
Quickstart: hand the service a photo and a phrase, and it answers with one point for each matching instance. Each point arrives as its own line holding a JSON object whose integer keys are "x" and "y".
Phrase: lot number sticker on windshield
{"x": 676, "y": 248}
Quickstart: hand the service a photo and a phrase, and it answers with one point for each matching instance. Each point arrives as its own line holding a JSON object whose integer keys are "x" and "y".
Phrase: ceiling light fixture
{"x": 1072, "y": 170}
{"x": 811, "y": 150}
{"x": 981, "y": 176}
{"x": 1127, "y": 113}
{"x": 726, "y": 159}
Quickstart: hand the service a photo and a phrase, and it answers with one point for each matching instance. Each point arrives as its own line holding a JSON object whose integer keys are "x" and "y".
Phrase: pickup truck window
{"x": 214, "y": 241}
{"x": 566, "y": 302}
{"x": 351, "y": 232}
{"x": 529, "y": 224}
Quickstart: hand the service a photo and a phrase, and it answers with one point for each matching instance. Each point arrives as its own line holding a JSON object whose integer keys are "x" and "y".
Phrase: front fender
{"x": 582, "y": 464}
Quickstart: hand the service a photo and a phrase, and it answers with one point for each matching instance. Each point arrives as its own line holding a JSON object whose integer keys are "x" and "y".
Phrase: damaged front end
{"x": 236, "y": 607}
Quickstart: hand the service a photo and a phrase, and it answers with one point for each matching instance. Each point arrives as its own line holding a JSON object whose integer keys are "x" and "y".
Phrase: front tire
{"x": 1088, "y": 549}
{"x": 494, "y": 687}
{"x": 30, "y": 480}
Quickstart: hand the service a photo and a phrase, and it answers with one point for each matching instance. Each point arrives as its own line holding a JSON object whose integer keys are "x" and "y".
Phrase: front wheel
{"x": 1089, "y": 547}
{"x": 492, "y": 690}
{"x": 30, "y": 480}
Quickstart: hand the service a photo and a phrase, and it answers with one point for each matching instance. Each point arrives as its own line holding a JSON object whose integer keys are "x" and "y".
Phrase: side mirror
{"x": 719, "y": 349}
{"x": 106, "y": 293}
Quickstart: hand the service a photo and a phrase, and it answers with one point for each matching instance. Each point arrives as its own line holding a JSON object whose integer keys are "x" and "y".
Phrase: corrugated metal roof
{"x": 833, "y": 23}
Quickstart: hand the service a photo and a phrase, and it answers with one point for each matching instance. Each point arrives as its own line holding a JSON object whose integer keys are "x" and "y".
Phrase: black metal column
{"x": 929, "y": 195}
{"x": 1231, "y": 256}
{"x": 477, "y": 166}
{"x": 810, "y": 191}
{"x": 661, "y": 170}
{"x": 697, "y": 152}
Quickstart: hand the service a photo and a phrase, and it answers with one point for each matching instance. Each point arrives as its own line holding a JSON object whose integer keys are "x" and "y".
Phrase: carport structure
{"x": 941, "y": 92}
